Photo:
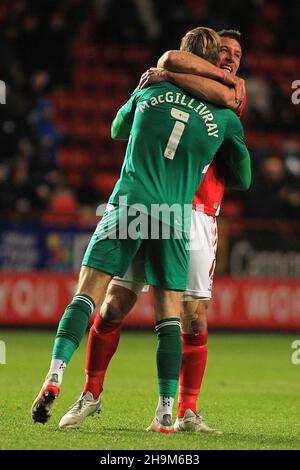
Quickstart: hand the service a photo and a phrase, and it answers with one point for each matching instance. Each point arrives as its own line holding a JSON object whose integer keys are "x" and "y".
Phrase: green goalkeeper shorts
{"x": 119, "y": 236}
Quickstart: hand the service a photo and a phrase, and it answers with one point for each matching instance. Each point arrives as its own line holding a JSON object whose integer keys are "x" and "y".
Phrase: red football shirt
{"x": 210, "y": 194}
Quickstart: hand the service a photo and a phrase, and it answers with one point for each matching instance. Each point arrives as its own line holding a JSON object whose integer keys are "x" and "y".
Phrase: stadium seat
{"x": 138, "y": 55}
{"x": 112, "y": 53}
{"x": 290, "y": 65}
{"x": 86, "y": 105}
{"x": 63, "y": 102}
{"x": 232, "y": 209}
{"x": 75, "y": 178}
{"x": 85, "y": 53}
{"x": 74, "y": 159}
{"x": 251, "y": 61}
{"x": 104, "y": 182}
{"x": 64, "y": 202}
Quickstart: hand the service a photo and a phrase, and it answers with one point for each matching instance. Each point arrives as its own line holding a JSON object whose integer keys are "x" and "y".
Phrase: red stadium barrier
{"x": 39, "y": 299}
{"x": 255, "y": 304}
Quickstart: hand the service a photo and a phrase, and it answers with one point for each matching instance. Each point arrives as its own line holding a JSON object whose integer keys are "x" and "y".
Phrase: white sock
{"x": 57, "y": 366}
{"x": 164, "y": 407}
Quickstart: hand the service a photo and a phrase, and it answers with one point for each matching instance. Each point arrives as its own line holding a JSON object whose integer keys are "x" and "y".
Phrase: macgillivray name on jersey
{"x": 179, "y": 98}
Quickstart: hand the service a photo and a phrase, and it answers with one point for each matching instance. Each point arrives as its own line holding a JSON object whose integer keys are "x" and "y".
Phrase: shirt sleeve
{"x": 240, "y": 110}
{"x": 122, "y": 123}
{"x": 236, "y": 157}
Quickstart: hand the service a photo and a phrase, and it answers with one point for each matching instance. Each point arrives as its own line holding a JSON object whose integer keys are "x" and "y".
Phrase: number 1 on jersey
{"x": 177, "y": 132}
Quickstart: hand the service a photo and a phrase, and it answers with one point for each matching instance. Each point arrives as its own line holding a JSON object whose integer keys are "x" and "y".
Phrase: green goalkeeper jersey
{"x": 172, "y": 139}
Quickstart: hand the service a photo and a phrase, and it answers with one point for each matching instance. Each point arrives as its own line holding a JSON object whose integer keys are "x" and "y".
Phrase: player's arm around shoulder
{"x": 236, "y": 155}
{"x": 205, "y": 89}
{"x": 186, "y": 62}
{"x": 203, "y": 79}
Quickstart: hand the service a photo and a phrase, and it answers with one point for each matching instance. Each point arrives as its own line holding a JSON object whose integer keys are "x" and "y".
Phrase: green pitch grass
{"x": 251, "y": 391}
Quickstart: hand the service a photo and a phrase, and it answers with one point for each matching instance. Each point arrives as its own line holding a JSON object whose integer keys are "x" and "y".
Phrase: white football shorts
{"x": 203, "y": 247}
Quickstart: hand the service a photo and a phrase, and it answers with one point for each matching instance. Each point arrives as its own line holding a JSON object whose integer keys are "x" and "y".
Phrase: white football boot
{"x": 193, "y": 422}
{"x": 85, "y": 406}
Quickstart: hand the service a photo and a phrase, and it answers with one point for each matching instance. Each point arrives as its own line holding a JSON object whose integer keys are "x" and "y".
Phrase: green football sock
{"x": 169, "y": 355}
{"x": 72, "y": 327}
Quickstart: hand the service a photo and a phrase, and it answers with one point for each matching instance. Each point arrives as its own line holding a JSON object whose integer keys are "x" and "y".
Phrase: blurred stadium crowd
{"x": 70, "y": 64}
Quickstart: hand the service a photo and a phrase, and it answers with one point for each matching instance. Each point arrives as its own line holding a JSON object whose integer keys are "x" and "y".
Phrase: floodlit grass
{"x": 251, "y": 391}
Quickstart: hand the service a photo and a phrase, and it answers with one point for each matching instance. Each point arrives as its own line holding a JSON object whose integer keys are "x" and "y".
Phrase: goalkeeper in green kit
{"x": 173, "y": 138}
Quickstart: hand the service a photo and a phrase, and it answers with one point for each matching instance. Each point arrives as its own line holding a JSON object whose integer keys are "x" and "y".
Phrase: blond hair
{"x": 204, "y": 42}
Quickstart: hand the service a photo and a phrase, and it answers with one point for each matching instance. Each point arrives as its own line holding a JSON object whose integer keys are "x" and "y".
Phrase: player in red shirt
{"x": 196, "y": 76}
